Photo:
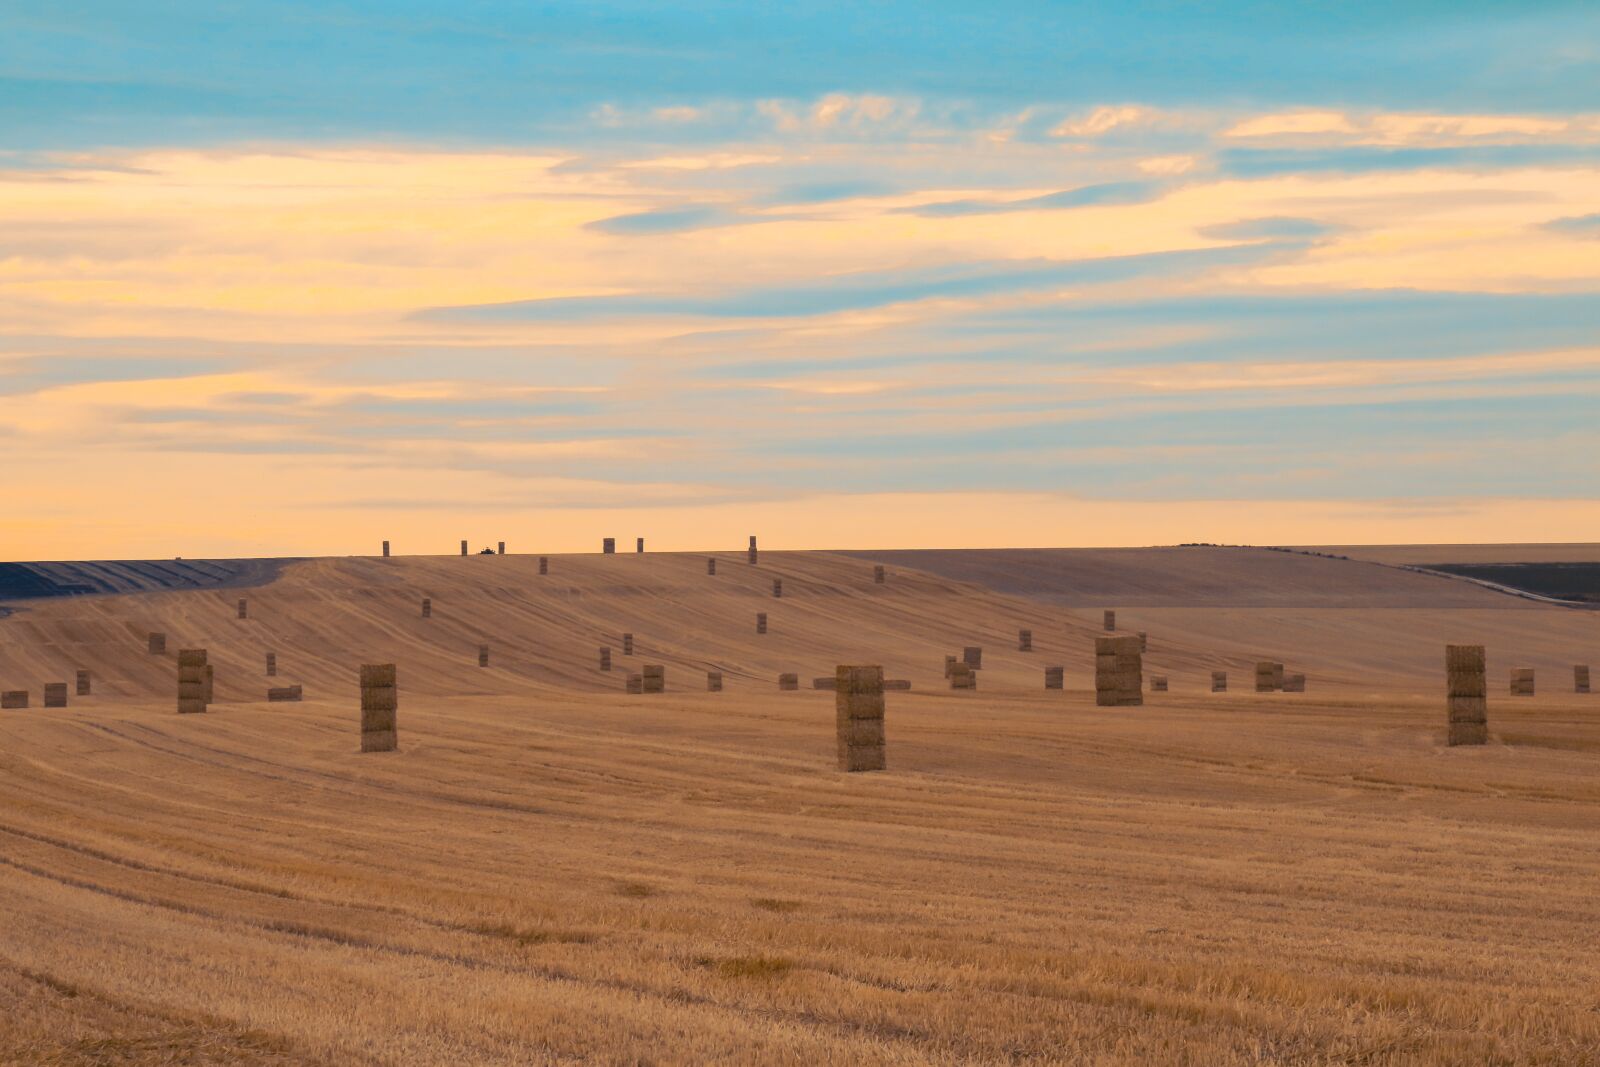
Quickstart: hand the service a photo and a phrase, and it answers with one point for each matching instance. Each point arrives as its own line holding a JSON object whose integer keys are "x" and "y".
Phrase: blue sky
{"x": 641, "y": 258}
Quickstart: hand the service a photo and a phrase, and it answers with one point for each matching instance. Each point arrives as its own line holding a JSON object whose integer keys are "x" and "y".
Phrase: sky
{"x": 292, "y": 278}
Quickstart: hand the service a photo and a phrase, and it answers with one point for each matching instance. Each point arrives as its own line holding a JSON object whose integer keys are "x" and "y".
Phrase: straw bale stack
{"x": 1580, "y": 678}
{"x": 879, "y": 576}
{"x": 427, "y": 607}
{"x": 1024, "y": 640}
{"x": 84, "y": 683}
{"x": 386, "y": 550}
{"x": 713, "y": 681}
{"x": 191, "y": 681}
{"x": 711, "y": 565}
{"x": 55, "y": 694}
{"x": 380, "y": 706}
{"x": 627, "y": 644}
{"x": 13, "y": 699}
{"x": 653, "y": 677}
{"x": 609, "y": 546}
{"x": 1269, "y": 676}
{"x": 1110, "y": 620}
{"x": 752, "y": 557}
{"x": 639, "y": 545}
{"x": 544, "y": 564}
{"x": 500, "y": 548}
{"x": 1144, "y": 641}
{"x": 1219, "y": 681}
{"x": 1294, "y": 683}
{"x": 761, "y": 622}
{"x": 1055, "y": 677}
{"x": 962, "y": 676}
{"x": 788, "y": 682}
{"x": 858, "y": 704}
{"x": 972, "y": 656}
{"x": 244, "y": 608}
{"x": 1118, "y": 672}
{"x": 635, "y": 683}
{"x": 605, "y": 657}
{"x": 158, "y": 644}
{"x": 284, "y": 694}
{"x": 272, "y": 664}
{"x": 463, "y": 548}
{"x": 827, "y": 682}
{"x": 483, "y": 655}
{"x": 897, "y": 683}
{"x": 1522, "y": 681}
{"x": 777, "y": 587}
{"x": 1158, "y": 683}
{"x": 1466, "y": 694}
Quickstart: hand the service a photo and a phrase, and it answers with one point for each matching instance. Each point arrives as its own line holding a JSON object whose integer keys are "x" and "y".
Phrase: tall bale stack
{"x": 1118, "y": 672}
{"x": 1522, "y": 681}
{"x": 713, "y": 681}
{"x": 380, "y": 706}
{"x": 1219, "y": 681}
{"x": 962, "y": 676}
{"x": 463, "y": 548}
{"x": 627, "y": 644}
{"x": 14, "y": 699}
{"x": 1158, "y": 683}
{"x": 761, "y": 622}
{"x": 272, "y": 664}
{"x": 1055, "y": 677}
{"x": 1467, "y": 694}
{"x": 544, "y": 564}
{"x": 711, "y": 565}
{"x": 653, "y": 676}
{"x": 752, "y": 557}
{"x": 158, "y": 644}
{"x": 972, "y": 656}
{"x": 1269, "y": 676}
{"x": 1294, "y": 683}
{"x": 639, "y": 545}
{"x": 609, "y": 546}
{"x": 1144, "y": 641}
{"x": 483, "y": 655}
{"x": 244, "y": 608}
{"x": 500, "y": 548}
{"x": 284, "y": 694}
{"x": 1580, "y": 678}
{"x": 788, "y": 682}
{"x": 858, "y": 704}
{"x": 191, "y": 681}
{"x": 777, "y": 587}
{"x": 879, "y": 576}
{"x": 1110, "y": 621}
{"x": 83, "y": 683}
{"x": 1024, "y": 640}
{"x": 55, "y": 694}
{"x": 386, "y": 550}
{"x": 605, "y": 657}
{"x": 427, "y": 607}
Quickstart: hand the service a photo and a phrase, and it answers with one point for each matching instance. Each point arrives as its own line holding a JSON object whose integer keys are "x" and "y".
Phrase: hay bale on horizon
{"x": 639, "y": 545}
{"x": 84, "y": 683}
{"x": 752, "y": 556}
{"x": 55, "y": 694}
{"x": 500, "y": 548}
{"x": 463, "y": 548}
{"x": 380, "y": 707}
{"x": 858, "y": 718}
{"x": 1118, "y": 672}
{"x": 386, "y": 550}
{"x": 1055, "y": 677}
{"x": 609, "y": 546}
{"x": 13, "y": 699}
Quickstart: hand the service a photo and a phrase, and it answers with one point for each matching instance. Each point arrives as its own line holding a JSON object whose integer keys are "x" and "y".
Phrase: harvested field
{"x": 545, "y": 871}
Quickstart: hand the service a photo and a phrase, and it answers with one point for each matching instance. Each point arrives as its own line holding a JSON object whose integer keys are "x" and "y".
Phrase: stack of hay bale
{"x": 380, "y": 706}
{"x": 711, "y": 565}
{"x": 427, "y": 607}
{"x": 244, "y": 608}
{"x": 1118, "y": 672}
{"x": 879, "y": 576}
{"x": 386, "y": 550}
{"x": 605, "y": 657}
{"x": 609, "y": 546}
{"x": 272, "y": 664}
{"x": 191, "y": 681}
{"x": 1110, "y": 620}
{"x": 653, "y": 678}
{"x": 288, "y": 693}
{"x": 1024, "y": 640}
{"x": 463, "y": 548}
{"x": 1158, "y": 683}
{"x": 1294, "y": 683}
{"x": 500, "y": 549}
{"x": 752, "y": 557}
{"x": 627, "y": 644}
{"x": 1522, "y": 681}
{"x": 544, "y": 564}
{"x": 83, "y": 683}
{"x": 713, "y": 681}
{"x": 639, "y": 545}
{"x": 777, "y": 587}
{"x": 972, "y": 656}
{"x": 1580, "y": 678}
{"x": 1144, "y": 641}
{"x": 1269, "y": 676}
{"x": 483, "y": 655}
{"x": 962, "y": 676}
{"x": 635, "y": 683}
{"x": 158, "y": 644}
{"x": 1467, "y": 694}
{"x": 788, "y": 682}
{"x": 1219, "y": 681}
{"x": 761, "y": 622}
{"x": 858, "y": 707}
{"x": 14, "y": 699}
{"x": 1055, "y": 677}
{"x": 55, "y": 694}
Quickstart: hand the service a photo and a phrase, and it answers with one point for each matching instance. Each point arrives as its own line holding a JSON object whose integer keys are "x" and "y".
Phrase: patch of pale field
{"x": 550, "y": 871}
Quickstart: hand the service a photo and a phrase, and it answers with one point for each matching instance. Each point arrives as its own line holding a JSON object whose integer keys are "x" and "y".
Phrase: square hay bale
{"x": 1580, "y": 678}
{"x": 752, "y": 556}
{"x": 1467, "y": 683}
{"x": 635, "y": 683}
{"x": 711, "y": 565}
{"x": 158, "y": 644}
{"x": 826, "y": 682}
{"x": 713, "y": 681}
{"x": 55, "y": 694}
{"x": 427, "y": 607}
{"x": 879, "y": 575}
{"x": 84, "y": 683}
{"x": 1468, "y": 733}
{"x": 272, "y": 664}
{"x": 379, "y": 676}
{"x": 386, "y": 550}
{"x": 761, "y": 622}
{"x": 483, "y": 655}
{"x": 777, "y": 587}
{"x": 1219, "y": 681}
{"x": 1466, "y": 709}
{"x": 897, "y": 684}
{"x": 1265, "y": 682}
{"x": 609, "y": 546}
{"x": 788, "y": 682}
{"x": 14, "y": 699}
{"x": 544, "y": 564}
{"x": 1055, "y": 677}
{"x": 1024, "y": 640}
{"x": 653, "y": 678}
{"x": 284, "y": 694}
{"x": 244, "y": 608}
{"x": 854, "y": 758}
{"x": 1522, "y": 681}
{"x": 1294, "y": 683}
{"x": 972, "y": 656}
{"x": 627, "y": 644}
{"x": 605, "y": 657}
{"x": 962, "y": 676}
{"x": 1110, "y": 620}
{"x": 1158, "y": 683}
{"x": 1470, "y": 659}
